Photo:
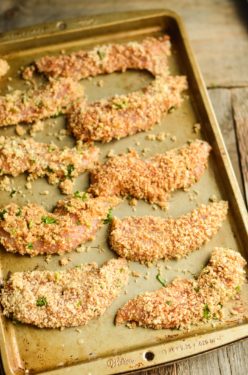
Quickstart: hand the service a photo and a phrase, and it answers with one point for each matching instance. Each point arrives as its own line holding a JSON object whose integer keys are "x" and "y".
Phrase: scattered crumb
{"x": 135, "y": 274}
{"x": 133, "y": 202}
{"x": 45, "y": 192}
{"x": 100, "y": 83}
{"x": 161, "y": 136}
{"x": 37, "y": 127}
{"x": 197, "y": 128}
{"x": 137, "y": 143}
{"x": 151, "y": 137}
{"x": 154, "y": 207}
{"x": 111, "y": 153}
{"x": 173, "y": 138}
{"x": 20, "y": 130}
{"x": 213, "y": 198}
{"x": 48, "y": 258}
{"x": 80, "y": 249}
{"x": 78, "y": 330}
{"x": 28, "y": 185}
{"x": 6, "y": 184}
{"x": 64, "y": 261}
{"x": 101, "y": 249}
{"x": 145, "y": 150}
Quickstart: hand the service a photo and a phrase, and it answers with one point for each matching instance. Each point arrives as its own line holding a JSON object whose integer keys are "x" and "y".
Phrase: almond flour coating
{"x": 40, "y": 159}
{"x": 186, "y": 302}
{"x": 150, "y": 238}
{"x": 153, "y": 179}
{"x": 32, "y": 230}
{"x": 124, "y": 115}
{"x": 32, "y": 105}
{"x": 68, "y": 298}
{"x": 4, "y": 67}
{"x": 150, "y": 54}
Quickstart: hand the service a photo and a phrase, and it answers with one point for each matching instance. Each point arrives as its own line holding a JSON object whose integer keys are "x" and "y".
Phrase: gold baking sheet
{"x": 101, "y": 347}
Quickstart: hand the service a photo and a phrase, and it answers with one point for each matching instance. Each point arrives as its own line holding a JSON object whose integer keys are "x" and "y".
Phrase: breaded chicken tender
{"x": 150, "y": 238}
{"x": 124, "y": 115}
{"x": 31, "y": 230}
{"x": 41, "y": 159}
{"x": 150, "y": 54}
{"x": 70, "y": 298}
{"x": 49, "y": 100}
{"x": 185, "y": 302}
{"x": 153, "y": 179}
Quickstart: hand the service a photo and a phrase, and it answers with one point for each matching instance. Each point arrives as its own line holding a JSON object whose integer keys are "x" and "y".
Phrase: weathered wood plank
{"x": 240, "y": 111}
{"x": 222, "y": 103}
{"x": 216, "y": 28}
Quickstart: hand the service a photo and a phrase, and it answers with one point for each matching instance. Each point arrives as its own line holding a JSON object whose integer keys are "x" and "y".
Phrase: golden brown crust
{"x": 152, "y": 179}
{"x": 150, "y": 54}
{"x": 40, "y": 159}
{"x": 149, "y": 238}
{"x": 124, "y": 115}
{"x": 32, "y": 105}
{"x": 68, "y": 298}
{"x": 186, "y": 302}
{"x": 31, "y": 230}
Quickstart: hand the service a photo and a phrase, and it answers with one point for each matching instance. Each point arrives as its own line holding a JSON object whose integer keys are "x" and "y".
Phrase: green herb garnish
{"x": 41, "y": 301}
{"x": 120, "y": 105}
{"x": 197, "y": 289}
{"x": 101, "y": 54}
{"x": 168, "y": 303}
{"x": 83, "y": 196}
{"x": 206, "y": 312}
{"x": 48, "y": 220}
{"x": 237, "y": 288}
{"x": 159, "y": 278}
{"x": 30, "y": 245}
{"x": 30, "y": 224}
{"x": 12, "y": 193}
{"x": 109, "y": 217}
{"x": 19, "y": 212}
{"x": 70, "y": 169}
{"x": 2, "y": 213}
{"x": 49, "y": 170}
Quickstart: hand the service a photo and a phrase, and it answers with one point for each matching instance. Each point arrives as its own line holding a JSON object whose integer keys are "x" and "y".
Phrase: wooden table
{"x": 218, "y": 33}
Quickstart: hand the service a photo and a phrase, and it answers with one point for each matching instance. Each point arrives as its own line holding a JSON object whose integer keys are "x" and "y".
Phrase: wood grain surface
{"x": 218, "y": 33}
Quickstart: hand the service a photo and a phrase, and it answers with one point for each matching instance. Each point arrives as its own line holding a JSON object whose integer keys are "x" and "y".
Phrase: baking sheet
{"x": 100, "y": 347}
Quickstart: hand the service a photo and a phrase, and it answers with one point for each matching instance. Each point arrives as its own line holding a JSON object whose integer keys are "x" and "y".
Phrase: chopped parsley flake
{"x": 70, "y": 169}
{"x": 197, "y": 289}
{"x": 83, "y": 195}
{"x": 19, "y": 212}
{"x": 159, "y": 278}
{"x": 48, "y": 220}
{"x": 101, "y": 54}
{"x": 12, "y": 193}
{"x": 2, "y": 213}
{"x": 41, "y": 301}
{"x": 168, "y": 303}
{"x": 206, "y": 312}
{"x": 237, "y": 288}
{"x": 30, "y": 245}
{"x": 109, "y": 217}
{"x": 49, "y": 170}
{"x": 119, "y": 105}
